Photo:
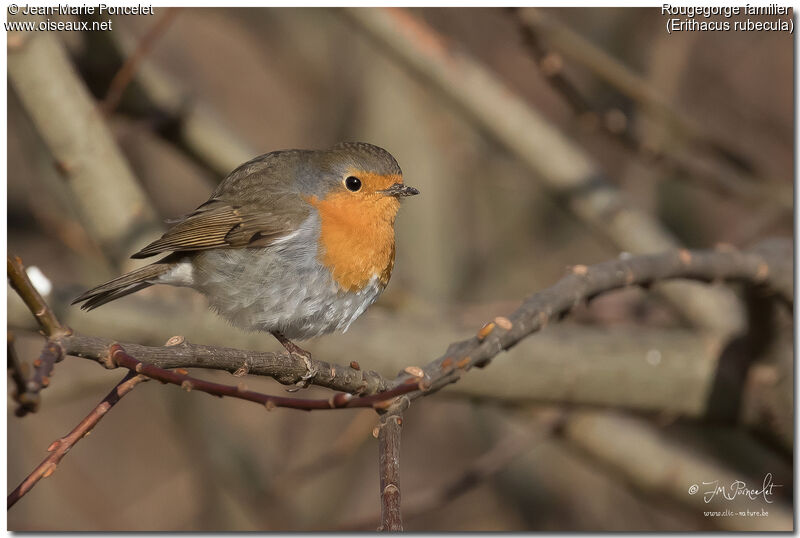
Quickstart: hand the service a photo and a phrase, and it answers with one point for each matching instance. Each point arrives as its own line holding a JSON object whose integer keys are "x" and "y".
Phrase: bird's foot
{"x": 294, "y": 349}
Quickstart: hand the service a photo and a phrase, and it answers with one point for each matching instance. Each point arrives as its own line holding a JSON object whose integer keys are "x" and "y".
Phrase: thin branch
{"x": 59, "y": 448}
{"x": 180, "y": 377}
{"x": 583, "y": 284}
{"x": 389, "y": 467}
{"x": 28, "y": 398}
{"x": 43, "y": 367}
{"x": 19, "y": 280}
{"x": 487, "y": 465}
{"x": 125, "y": 75}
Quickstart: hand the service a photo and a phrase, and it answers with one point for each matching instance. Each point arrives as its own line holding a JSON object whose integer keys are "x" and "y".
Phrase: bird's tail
{"x": 124, "y": 285}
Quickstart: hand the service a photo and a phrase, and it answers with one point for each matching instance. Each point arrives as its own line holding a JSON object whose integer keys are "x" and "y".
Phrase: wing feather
{"x": 219, "y": 224}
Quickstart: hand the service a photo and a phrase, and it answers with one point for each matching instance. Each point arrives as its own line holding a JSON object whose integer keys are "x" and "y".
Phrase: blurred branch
{"x": 180, "y": 119}
{"x": 579, "y": 49}
{"x": 631, "y": 447}
{"x": 112, "y": 205}
{"x": 59, "y": 448}
{"x": 351, "y": 438}
{"x": 389, "y": 466}
{"x": 614, "y": 122}
{"x": 125, "y": 75}
{"x": 564, "y": 168}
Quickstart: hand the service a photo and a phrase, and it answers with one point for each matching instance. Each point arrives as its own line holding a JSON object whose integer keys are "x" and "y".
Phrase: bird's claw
{"x": 311, "y": 371}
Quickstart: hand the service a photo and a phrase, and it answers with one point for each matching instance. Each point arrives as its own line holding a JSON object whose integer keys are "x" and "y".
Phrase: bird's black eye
{"x": 352, "y": 183}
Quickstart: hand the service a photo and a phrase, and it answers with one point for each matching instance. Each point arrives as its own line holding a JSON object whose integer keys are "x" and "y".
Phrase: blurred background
{"x": 539, "y": 139}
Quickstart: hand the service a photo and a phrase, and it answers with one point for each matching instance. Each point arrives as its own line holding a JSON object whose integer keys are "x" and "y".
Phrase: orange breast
{"x": 357, "y": 237}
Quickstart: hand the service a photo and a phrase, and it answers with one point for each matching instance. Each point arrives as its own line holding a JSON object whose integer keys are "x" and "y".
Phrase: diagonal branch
{"x": 27, "y": 394}
{"x": 125, "y": 75}
{"x": 59, "y": 448}
{"x": 584, "y": 283}
{"x": 532, "y": 23}
{"x": 33, "y": 299}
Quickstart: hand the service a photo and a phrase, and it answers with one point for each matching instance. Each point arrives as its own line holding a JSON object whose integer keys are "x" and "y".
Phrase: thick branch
{"x": 283, "y": 367}
{"x": 636, "y": 451}
{"x": 58, "y": 449}
{"x": 83, "y": 148}
{"x": 118, "y": 357}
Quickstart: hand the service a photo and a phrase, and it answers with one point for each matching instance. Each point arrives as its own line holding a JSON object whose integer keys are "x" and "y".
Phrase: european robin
{"x": 296, "y": 243}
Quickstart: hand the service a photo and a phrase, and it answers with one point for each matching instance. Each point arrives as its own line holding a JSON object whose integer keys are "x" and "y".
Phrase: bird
{"x": 296, "y": 243}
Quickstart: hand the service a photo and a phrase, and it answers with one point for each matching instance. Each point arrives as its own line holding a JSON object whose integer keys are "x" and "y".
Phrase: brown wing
{"x": 219, "y": 224}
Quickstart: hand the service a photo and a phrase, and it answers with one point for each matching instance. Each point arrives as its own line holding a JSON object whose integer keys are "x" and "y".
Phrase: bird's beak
{"x": 399, "y": 190}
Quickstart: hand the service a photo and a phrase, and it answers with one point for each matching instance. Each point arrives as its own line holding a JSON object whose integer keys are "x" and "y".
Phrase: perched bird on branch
{"x": 297, "y": 243}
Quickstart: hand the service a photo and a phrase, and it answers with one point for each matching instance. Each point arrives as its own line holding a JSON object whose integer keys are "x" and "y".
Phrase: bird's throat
{"x": 357, "y": 238}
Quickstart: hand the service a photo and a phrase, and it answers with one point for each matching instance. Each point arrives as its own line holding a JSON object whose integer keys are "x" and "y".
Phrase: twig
{"x": 43, "y": 367}
{"x": 58, "y": 449}
{"x": 125, "y": 75}
{"x": 488, "y": 464}
{"x": 27, "y": 402}
{"x": 28, "y": 398}
{"x": 33, "y": 300}
{"x": 118, "y": 357}
{"x": 389, "y": 467}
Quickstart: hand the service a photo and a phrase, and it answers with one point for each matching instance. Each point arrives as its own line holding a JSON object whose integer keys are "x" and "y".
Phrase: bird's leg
{"x": 294, "y": 349}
